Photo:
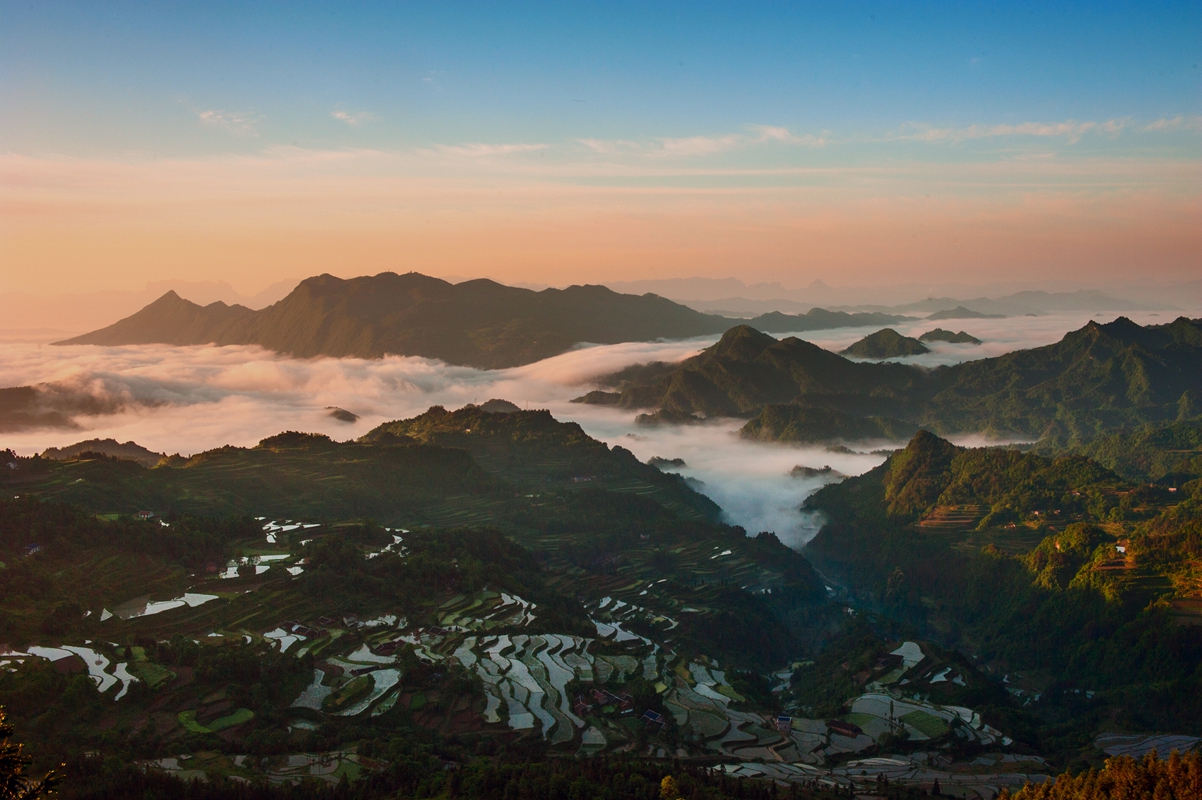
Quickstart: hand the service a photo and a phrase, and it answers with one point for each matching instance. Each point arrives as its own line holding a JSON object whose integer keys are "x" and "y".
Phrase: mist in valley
{"x": 190, "y": 399}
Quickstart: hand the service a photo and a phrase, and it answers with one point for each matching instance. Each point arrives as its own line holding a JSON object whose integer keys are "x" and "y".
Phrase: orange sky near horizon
{"x": 76, "y": 224}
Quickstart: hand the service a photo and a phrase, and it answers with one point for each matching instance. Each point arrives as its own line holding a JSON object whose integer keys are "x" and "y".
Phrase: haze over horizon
{"x": 856, "y": 144}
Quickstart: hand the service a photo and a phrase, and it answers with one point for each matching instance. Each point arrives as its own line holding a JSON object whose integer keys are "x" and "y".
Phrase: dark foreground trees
{"x": 15, "y": 784}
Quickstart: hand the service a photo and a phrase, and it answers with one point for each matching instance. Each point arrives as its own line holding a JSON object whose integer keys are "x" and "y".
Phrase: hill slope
{"x": 886, "y": 343}
{"x": 1028, "y": 562}
{"x": 1095, "y": 380}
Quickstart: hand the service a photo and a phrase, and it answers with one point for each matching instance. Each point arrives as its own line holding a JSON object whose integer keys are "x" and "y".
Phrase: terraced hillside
{"x": 1040, "y": 563}
{"x": 533, "y": 449}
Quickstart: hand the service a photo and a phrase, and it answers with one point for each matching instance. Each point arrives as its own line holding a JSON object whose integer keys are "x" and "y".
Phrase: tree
{"x": 14, "y": 783}
{"x": 667, "y": 788}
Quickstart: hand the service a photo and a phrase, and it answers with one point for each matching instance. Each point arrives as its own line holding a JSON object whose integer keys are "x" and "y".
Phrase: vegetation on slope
{"x": 1177, "y": 778}
{"x": 941, "y": 335}
{"x": 1031, "y": 563}
{"x": 1096, "y": 380}
{"x": 1166, "y": 452}
{"x": 885, "y": 343}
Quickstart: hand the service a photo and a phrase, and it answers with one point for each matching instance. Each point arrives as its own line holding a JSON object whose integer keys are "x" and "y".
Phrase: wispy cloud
{"x": 703, "y": 145}
{"x": 1070, "y": 130}
{"x": 238, "y": 122}
{"x": 610, "y": 147}
{"x": 481, "y": 150}
{"x": 353, "y": 119}
{"x": 768, "y": 133}
{"x": 1175, "y": 124}
{"x": 698, "y": 145}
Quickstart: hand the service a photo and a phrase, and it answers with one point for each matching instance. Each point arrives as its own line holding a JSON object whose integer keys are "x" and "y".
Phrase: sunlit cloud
{"x": 1175, "y": 124}
{"x": 481, "y": 150}
{"x": 241, "y": 123}
{"x": 686, "y": 146}
{"x": 355, "y": 119}
{"x": 769, "y": 133}
{"x": 1070, "y": 130}
{"x": 698, "y": 145}
{"x": 610, "y": 147}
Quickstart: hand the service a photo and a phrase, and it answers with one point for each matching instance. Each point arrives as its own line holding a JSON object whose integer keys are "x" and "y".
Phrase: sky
{"x": 857, "y": 143}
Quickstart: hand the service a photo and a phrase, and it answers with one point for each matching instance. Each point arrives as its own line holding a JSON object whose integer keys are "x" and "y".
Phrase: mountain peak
{"x": 743, "y": 343}
{"x": 886, "y": 343}
{"x": 478, "y": 323}
{"x": 918, "y": 474}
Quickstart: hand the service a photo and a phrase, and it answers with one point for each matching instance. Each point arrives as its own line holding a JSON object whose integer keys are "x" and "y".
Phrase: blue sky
{"x": 100, "y": 77}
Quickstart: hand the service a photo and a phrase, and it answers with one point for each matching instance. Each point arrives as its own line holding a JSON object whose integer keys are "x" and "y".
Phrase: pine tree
{"x": 14, "y": 783}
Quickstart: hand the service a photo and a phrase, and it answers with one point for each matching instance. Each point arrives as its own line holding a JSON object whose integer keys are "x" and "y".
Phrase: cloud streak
{"x": 1069, "y": 130}
{"x": 237, "y": 122}
{"x": 1178, "y": 123}
{"x": 482, "y": 150}
{"x": 694, "y": 146}
{"x": 353, "y": 119}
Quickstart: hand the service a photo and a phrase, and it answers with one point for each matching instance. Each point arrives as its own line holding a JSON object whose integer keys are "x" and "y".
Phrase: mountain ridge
{"x": 1096, "y": 379}
{"x": 478, "y": 323}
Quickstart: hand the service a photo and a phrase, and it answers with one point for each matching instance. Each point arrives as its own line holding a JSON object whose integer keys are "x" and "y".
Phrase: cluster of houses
{"x": 654, "y": 720}
{"x": 297, "y": 629}
{"x": 623, "y": 704}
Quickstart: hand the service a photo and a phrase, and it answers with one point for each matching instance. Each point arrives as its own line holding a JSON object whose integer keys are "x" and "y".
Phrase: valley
{"x": 484, "y": 580}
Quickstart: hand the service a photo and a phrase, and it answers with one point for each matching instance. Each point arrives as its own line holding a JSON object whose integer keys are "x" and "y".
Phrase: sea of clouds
{"x": 189, "y": 399}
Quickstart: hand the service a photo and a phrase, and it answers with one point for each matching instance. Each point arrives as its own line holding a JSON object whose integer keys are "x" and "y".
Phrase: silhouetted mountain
{"x": 940, "y": 335}
{"x": 960, "y": 312}
{"x": 127, "y": 451}
{"x": 477, "y": 323}
{"x": 818, "y": 319}
{"x": 886, "y": 343}
{"x": 170, "y": 320}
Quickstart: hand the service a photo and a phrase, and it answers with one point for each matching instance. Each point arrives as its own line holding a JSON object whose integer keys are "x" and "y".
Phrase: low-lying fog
{"x": 189, "y": 399}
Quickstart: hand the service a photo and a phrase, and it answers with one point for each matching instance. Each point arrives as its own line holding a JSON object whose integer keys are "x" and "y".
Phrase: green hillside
{"x": 885, "y": 343}
{"x": 1095, "y": 381}
{"x": 1048, "y": 566}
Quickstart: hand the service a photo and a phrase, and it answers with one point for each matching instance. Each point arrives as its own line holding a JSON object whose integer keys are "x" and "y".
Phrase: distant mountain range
{"x": 477, "y": 323}
{"x": 960, "y": 312}
{"x": 125, "y": 451}
{"x": 1097, "y": 379}
{"x": 731, "y": 298}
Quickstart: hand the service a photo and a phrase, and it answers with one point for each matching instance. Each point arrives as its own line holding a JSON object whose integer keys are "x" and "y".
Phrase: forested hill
{"x": 1095, "y": 380}
{"x": 1053, "y": 565}
{"x": 477, "y": 323}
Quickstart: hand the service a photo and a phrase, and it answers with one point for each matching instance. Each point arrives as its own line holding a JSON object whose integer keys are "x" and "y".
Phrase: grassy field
{"x": 929, "y": 724}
